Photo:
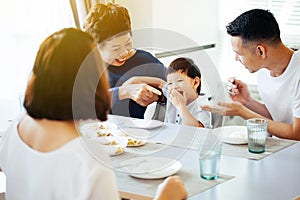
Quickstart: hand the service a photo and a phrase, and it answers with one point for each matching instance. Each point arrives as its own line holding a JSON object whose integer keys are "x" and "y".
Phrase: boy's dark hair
{"x": 187, "y": 66}
{"x": 255, "y": 25}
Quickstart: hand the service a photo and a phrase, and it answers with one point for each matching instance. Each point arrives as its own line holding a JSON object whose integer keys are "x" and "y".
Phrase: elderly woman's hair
{"x": 107, "y": 20}
{"x": 68, "y": 79}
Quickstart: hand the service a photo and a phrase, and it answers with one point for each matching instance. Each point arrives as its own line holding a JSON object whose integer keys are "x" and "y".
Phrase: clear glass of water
{"x": 209, "y": 157}
{"x": 257, "y": 135}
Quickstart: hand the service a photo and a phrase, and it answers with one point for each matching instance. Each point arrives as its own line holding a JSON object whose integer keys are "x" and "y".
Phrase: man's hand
{"x": 226, "y": 108}
{"x": 239, "y": 91}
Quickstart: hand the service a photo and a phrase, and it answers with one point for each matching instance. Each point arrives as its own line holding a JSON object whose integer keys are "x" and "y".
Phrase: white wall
{"x": 140, "y": 12}
{"x": 195, "y": 19}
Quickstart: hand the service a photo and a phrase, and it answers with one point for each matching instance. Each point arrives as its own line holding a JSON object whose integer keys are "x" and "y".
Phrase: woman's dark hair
{"x": 106, "y": 20}
{"x": 187, "y": 66}
{"x": 254, "y": 26}
{"x": 68, "y": 79}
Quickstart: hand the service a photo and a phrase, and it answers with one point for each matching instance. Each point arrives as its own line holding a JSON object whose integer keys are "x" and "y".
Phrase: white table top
{"x": 273, "y": 177}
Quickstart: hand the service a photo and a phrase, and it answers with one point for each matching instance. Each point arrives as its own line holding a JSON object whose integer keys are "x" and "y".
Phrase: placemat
{"x": 147, "y": 188}
{"x": 272, "y": 145}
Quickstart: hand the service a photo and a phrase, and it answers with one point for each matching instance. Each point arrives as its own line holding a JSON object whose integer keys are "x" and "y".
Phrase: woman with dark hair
{"x": 110, "y": 25}
{"x": 42, "y": 154}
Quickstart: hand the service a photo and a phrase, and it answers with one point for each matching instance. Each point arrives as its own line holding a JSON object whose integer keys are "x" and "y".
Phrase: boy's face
{"x": 183, "y": 84}
{"x": 117, "y": 50}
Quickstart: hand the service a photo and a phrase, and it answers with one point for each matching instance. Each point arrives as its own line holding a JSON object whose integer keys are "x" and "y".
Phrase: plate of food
{"x": 134, "y": 137}
{"x": 133, "y": 142}
{"x": 132, "y": 132}
{"x": 114, "y": 150}
{"x": 143, "y": 123}
{"x": 151, "y": 167}
{"x": 97, "y": 129}
{"x": 113, "y": 145}
{"x": 234, "y": 134}
{"x": 112, "y": 140}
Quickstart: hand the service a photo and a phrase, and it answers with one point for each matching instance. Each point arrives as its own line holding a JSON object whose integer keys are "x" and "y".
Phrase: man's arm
{"x": 282, "y": 130}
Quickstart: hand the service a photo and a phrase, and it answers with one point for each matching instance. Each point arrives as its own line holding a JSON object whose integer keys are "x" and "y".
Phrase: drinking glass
{"x": 210, "y": 156}
{"x": 257, "y": 135}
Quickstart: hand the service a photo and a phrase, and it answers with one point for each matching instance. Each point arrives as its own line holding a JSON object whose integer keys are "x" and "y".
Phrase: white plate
{"x": 151, "y": 167}
{"x": 133, "y": 142}
{"x": 234, "y": 134}
{"x": 112, "y": 140}
{"x": 93, "y": 129}
{"x": 143, "y": 123}
{"x": 134, "y": 137}
{"x": 132, "y": 132}
{"x": 112, "y": 145}
{"x": 114, "y": 150}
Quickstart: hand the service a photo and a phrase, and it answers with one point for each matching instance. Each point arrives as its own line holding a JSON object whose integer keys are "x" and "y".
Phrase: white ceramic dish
{"x": 113, "y": 145}
{"x": 114, "y": 150}
{"x": 133, "y": 132}
{"x": 234, "y": 134}
{"x": 133, "y": 142}
{"x": 93, "y": 129}
{"x": 143, "y": 123}
{"x": 134, "y": 137}
{"x": 151, "y": 167}
{"x": 112, "y": 140}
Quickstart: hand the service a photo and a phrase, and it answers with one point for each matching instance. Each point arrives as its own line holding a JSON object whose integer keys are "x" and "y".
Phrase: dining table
{"x": 274, "y": 174}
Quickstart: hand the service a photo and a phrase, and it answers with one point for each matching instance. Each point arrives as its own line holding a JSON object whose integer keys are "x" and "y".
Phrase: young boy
{"x": 183, "y": 94}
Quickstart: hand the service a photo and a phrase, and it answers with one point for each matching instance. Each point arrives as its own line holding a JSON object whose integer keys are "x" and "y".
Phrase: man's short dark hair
{"x": 255, "y": 25}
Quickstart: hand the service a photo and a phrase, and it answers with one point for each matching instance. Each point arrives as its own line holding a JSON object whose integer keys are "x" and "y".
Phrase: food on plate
{"x": 134, "y": 142}
{"x": 103, "y": 127}
{"x": 119, "y": 150}
{"x": 100, "y": 134}
{"x": 111, "y": 143}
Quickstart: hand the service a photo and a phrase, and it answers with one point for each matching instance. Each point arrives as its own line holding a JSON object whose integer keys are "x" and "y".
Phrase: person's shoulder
{"x": 146, "y": 54}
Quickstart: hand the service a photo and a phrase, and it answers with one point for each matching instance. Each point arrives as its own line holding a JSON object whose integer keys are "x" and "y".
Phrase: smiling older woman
{"x": 110, "y": 26}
